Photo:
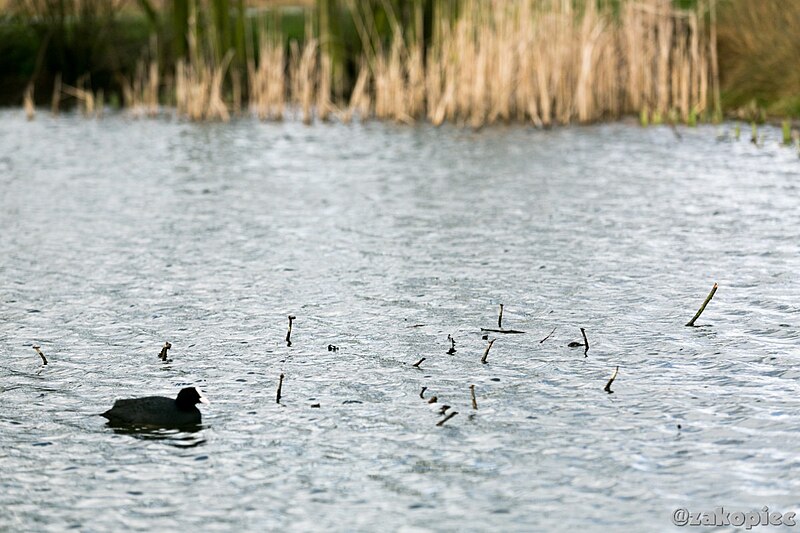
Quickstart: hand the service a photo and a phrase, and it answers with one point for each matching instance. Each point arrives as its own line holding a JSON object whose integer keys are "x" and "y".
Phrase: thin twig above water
{"x": 548, "y": 335}
{"x": 486, "y": 353}
{"x": 289, "y": 333}
{"x": 703, "y": 307}
{"x": 452, "y": 349}
{"x": 445, "y": 419}
{"x": 39, "y": 351}
{"x": 610, "y": 381}
{"x": 280, "y": 387}
{"x": 163, "y": 353}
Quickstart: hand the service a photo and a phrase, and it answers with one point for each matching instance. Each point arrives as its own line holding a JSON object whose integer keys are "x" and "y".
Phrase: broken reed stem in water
{"x": 433, "y": 399}
{"x": 586, "y": 342}
{"x": 416, "y": 365}
{"x": 163, "y": 354}
{"x": 44, "y": 359}
{"x": 445, "y": 419}
{"x": 422, "y": 392}
{"x": 610, "y": 381}
{"x": 703, "y": 307}
{"x": 500, "y": 325}
{"x": 472, "y": 393}
{"x": 443, "y": 409}
{"x": 452, "y": 349}
{"x": 280, "y": 386}
{"x": 289, "y": 333}
{"x": 548, "y": 335}
{"x": 486, "y": 353}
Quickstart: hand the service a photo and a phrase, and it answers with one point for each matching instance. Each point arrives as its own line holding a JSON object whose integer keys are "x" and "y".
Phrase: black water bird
{"x": 158, "y": 410}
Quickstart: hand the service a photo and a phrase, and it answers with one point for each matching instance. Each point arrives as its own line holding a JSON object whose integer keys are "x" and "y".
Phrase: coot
{"x": 158, "y": 410}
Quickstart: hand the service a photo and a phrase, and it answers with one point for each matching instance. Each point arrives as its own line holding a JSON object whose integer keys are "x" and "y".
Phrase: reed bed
{"x": 199, "y": 80}
{"x": 267, "y": 80}
{"x": 549, "y": 63}
{"x": 543, "y": 62}
{"x": 90, "y": 103}
{"x": 497, "y": 61}
{"x": 141, "y": 94}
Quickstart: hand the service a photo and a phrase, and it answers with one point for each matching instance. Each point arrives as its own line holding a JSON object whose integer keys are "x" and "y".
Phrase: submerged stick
{"x": 289, "y": 333}
{"x": 674, "y": 128}
{"x": 445, "y": 419}
{"x": 703, "y": 307}
{"x": 280, "y": 386}
{"x": 163, "y": 354}
{"x": 44, "y": 359}
{"x": 548, "y": 335}
{"x": 452, "y": 349}
{"x": 500, "y": 318}
{"x": 486, "y": 353}
{"x": 472, "y": 393}
{"x": 610, "y": 381}
{"x": 422, "y": 392}
{"x": 502, "y": 330}
{"x": 416, "y": 365}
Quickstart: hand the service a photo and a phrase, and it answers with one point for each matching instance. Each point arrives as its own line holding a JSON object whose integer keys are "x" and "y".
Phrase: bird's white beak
{"x": 203, "y": 399}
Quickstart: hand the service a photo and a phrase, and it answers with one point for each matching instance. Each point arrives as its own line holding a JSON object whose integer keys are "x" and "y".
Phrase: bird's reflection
{"x": 189, "y": 436}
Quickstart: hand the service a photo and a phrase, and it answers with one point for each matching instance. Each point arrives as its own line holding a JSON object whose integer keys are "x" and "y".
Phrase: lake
{"x": 121, "y": 234}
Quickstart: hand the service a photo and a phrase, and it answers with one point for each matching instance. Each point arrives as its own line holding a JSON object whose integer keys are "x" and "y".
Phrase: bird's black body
{"x": 158, "y": 410}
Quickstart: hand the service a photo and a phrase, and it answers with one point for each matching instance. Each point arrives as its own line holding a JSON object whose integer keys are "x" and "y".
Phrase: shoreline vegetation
{"x": 468, "y": 62}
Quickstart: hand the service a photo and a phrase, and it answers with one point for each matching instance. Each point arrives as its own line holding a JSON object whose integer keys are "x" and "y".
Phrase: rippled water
{"x": 120, "y": 234}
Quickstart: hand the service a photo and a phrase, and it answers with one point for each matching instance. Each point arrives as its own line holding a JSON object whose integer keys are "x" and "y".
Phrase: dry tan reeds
{"x": 90, "y": 104}
{"x": 198, "y": 88}
{"x": 540, "y": 61}
{"x": 199, "y": 80}
{"x": 547, "y": 62}
{"x": 266, "y": 80}
{"x": 303, "y": 77}
{"x": 140, "y": 95}
{"x": 27, "y": 102}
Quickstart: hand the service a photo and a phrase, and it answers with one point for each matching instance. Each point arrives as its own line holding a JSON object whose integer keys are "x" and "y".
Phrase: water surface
{"x": 119, "y": 234}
